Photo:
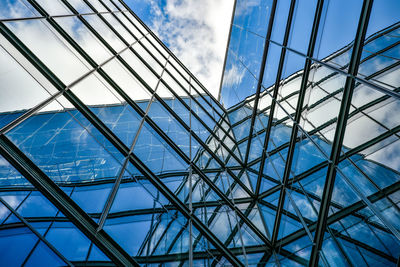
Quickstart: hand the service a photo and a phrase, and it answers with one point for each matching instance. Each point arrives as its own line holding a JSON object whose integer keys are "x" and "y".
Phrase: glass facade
{"x": 113, "y": 153}
{"x": 312, "y": 91}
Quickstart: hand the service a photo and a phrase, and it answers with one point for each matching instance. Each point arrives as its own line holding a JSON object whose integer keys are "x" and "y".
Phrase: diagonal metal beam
{"x": 260, "y": 79}
{"x": 275, "y": 95}
{"x": 339, "y": 132}
{"x": 293, "y": 137}
{"x": 62, "y": 202}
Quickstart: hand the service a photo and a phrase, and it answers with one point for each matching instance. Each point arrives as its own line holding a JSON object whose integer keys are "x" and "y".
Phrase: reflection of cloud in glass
{"x": 233, "y": 76}
{"x": 388, "y": 156}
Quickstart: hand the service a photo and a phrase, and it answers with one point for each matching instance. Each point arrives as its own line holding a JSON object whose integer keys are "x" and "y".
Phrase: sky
{"x": 195, "y": 31}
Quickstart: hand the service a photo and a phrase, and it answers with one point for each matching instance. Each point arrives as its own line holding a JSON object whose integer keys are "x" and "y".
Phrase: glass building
{"x": 113, "y": 153}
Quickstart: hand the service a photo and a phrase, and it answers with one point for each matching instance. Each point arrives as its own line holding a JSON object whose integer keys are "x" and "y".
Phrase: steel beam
{"x": 62, "y": 202}
{"x": 339, "y": 132}
{"x": 275, "y": 95}
{"x": 299, "y": 108}
{"x": 260, "y": 79}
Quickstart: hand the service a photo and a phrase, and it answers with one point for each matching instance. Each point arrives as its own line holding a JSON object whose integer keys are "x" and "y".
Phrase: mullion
{"x": 294, "y": 132}
{"x": 113, "y": 193}
{"x": 57, "y": 16}
{"x": 339, "y": 132}
{"x": 274, "y": 98}
{"x": 260, "y": 79}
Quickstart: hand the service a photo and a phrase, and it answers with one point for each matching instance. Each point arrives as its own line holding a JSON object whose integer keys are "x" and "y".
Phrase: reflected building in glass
{"x": 113, "y": 153}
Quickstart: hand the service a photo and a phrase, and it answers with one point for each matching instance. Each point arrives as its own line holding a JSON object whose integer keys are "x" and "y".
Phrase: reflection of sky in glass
{"x": 333, "y": 34}
{"x": 68, "y": 148}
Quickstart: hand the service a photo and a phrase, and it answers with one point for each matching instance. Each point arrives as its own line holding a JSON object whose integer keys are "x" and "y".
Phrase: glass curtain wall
{"x": 113, "y": 153}
{"x": 312, "y": 92}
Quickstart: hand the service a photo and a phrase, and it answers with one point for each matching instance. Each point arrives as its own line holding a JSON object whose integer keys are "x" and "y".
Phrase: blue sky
{"x": 196, "y": 32}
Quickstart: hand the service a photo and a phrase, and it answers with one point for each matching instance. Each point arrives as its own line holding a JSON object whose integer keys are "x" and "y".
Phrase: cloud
{"x": 196, "y": 32}
{"x": 233, "y": 76}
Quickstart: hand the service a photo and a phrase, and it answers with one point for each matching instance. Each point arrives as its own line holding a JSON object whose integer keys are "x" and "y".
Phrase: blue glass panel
{"x": 383, "y": 14}
{"x": 15, "y": 244}
{"x": 302, "y": 25}
{"x": 155, "y": 153}
{"x": 44, "y": 256}
{"x": 128, "y": 195}
{"x": 67, "y": 239}
{"x": 65, "y": 150}
{"x": 129, "y": 232}
{"x": 173, "y": 129}
{"x": 337, "y": 33}
{"x": 280, "y": 20}
{"x": 121, "y": 119}
{"x": 253, "y": 16}
{"x": 272, "y": 64}
{"x": 91, "y": 198}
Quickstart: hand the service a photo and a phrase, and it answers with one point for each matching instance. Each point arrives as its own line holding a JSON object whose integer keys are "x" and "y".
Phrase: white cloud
{"x": 196, "y": 32}
{"x": 233, "y": 76}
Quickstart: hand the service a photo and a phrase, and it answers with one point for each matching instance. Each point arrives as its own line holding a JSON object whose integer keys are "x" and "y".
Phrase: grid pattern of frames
{"x": 113, "y": 153}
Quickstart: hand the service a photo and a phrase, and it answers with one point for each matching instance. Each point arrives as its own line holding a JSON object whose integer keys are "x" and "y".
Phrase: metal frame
{"x": 214, "y": 112}
{"x": 339, "y": 133}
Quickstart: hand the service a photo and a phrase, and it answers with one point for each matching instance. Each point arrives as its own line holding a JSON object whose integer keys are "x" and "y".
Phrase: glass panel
{"x": 16, "y": 9}
{"x": 280, "y": 21}
{"x": 119, "y": 28}
{"x": 129, "y": 25}
{"x": 302, "y": 25}
{"x": 383, "y": 14}
{"x": 152, "y": 150}
{"x": 126, "y": 80}
{"x": 63, "y": 148}
{"x": 105, "y": 32}
{"x": 19, "y": 91}
{"x": 81, "y": 34}
{"x": 253, "y": 17}
{"x": 337, "y": 33}
{"x": 54, "y": 7}
{"x": 137, "y": 65}
{"x": 50, "y": 49}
